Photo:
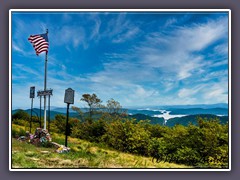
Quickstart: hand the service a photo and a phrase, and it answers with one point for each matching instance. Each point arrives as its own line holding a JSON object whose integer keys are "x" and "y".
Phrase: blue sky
{"x": 136, "y": 58}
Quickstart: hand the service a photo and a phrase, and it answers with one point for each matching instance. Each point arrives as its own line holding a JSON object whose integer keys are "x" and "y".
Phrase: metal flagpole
{"x": 40, "y": 123}
{"x": 48, "y": 113}
{"x": 31, "y": 116}
{"x": 67, "y": 129}
{"x": 45, "y": 88}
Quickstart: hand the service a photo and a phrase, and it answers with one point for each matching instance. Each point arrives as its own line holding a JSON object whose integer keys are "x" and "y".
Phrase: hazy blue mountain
{"x": 221, "y": 109}
{"x": 181, "y": 111}
{"x": 193, "y": 119}
{"x": 193, "y": 111}
{"x": 62, "y": 109}
{"x": 204, "y": 106}
{"x": 36, "y": 112}
{"x": 145, "y": 112}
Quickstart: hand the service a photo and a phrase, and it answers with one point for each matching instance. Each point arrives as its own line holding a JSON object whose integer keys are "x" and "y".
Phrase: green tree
{"x": 60, "y": 123}
{"x": 21, "y": 117}
{"x": 113, "y": 107}
{"x": 93, "y": 102}
{"x": 21, "y": 114}
{"x": 79, "y": 111}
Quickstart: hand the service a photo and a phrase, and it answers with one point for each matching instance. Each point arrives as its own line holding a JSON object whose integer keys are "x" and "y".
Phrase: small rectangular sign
{"x": 69, "y": 96}
{"x": 32, "y": 92}
{"x": 44, "y": 93}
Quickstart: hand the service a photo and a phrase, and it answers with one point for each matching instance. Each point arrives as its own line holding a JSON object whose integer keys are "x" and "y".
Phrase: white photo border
{"x": 117, "y": 11}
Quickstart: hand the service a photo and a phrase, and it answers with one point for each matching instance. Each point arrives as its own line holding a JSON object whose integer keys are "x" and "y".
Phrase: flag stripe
{"x": 36, "y": 40}
{"x": 43, "y": 47}
{"x": 39, "y": 42}
{"x": 39, "y": 45}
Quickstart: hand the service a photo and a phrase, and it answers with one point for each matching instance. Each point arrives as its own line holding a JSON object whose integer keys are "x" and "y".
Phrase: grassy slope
{"x": 83, "y": 154}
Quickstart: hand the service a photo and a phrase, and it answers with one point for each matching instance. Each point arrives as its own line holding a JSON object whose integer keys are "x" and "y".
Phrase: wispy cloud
{"x": 21, "y": 69}
{"x": 73, "y": 36}
{"x": 18, "y": 49}
{"x": 189, "y": 92}
{"x": 221, "y": 49}
{"x": 121, "y": 29}
{"x": 176, "y": 52}
{"x": 126, "y": 35}
{"x": 95, "y": 35}
{"x": 216, "y": 92}
{"x": 199, "y": 36}
{"x": 170, "y": 22}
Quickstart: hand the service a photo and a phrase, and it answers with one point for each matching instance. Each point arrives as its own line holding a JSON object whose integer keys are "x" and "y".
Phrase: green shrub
{"x": 17, "y": 132}
{"x": 127, "y": 136}
{"x": 21, "y": 114}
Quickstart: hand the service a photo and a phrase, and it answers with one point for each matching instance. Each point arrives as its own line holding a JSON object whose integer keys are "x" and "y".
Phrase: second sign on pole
{"x": 69, "y": 99}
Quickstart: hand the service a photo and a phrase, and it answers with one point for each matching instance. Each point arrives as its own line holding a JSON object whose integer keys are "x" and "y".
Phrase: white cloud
{"x": 95, "y": 30}
{"x": 16, "y": 48}
{"x": 126, "y": 35}
{"x": 210, "y": 93}
{"x": 140, "y": 92}
{"x": 170, "y": 22}
{"x": 69, "y": 35}
{"x": 199, "y": 36}
{"x": 192, "y": 65}
{"x": 22, "y": 70}
{"x": 221, "y": 49}
{"x": 216, "y": 93}
{"x": 189, "y": 92}
{"x": 121, "y": 29}
{"x": 220, "y": 75}
{"x": 174, "y": 52}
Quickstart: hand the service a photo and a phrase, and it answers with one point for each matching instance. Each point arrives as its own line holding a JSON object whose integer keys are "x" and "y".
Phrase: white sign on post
{"x": 69, "y": 96}
{"x": 45, "y": 93}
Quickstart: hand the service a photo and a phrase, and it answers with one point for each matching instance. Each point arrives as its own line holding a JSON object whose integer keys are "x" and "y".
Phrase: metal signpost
{"x": 69, "y": 99}
{"x": 47, "y": 92}
{"x": 40, "y": 122}
{"x": 32, "y": 95}
{"x": 49, "y": 113}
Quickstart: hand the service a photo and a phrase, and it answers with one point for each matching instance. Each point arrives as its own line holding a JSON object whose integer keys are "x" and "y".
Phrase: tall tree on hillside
{"x": 93, "y": 102}
{"x": 114, "y": 107}
{"x": 21, "y": 114}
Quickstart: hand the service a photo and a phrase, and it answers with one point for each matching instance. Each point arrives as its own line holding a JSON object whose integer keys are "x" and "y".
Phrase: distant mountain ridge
{"x": 193, "y": 111}
{"x": 36, "y": 112}
{"x": 163, "y": 107}
{"x": 193, "y": 119}
{"x": 190, "y": 113}
{"x": 203, "y": 106}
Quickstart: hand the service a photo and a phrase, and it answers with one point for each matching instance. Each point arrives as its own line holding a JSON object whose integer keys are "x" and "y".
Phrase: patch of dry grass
{"x": 84, "y": 155}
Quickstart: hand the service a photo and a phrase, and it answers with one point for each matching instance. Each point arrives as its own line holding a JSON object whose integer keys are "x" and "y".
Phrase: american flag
{"x": 39, "y": 42}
